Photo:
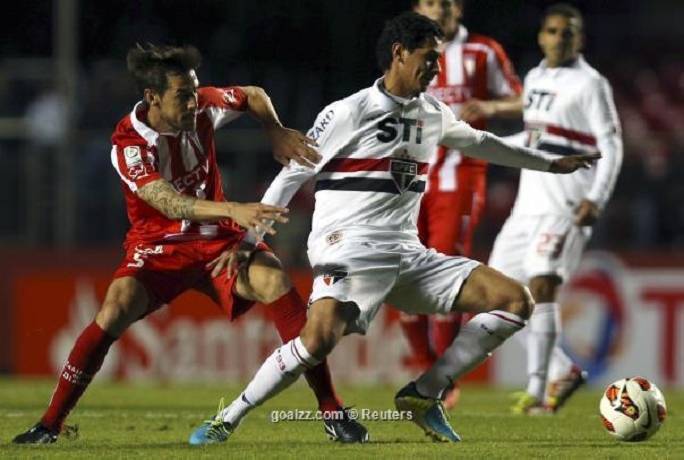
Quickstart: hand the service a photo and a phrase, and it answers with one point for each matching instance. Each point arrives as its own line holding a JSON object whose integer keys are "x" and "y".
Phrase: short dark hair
{"x": 150, "y": 65}
{"x": 565, "y": 10}
{"x": 410, "y": 29}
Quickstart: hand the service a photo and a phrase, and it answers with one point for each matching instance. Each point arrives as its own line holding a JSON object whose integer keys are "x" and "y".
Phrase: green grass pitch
{"x": 154, "y": 421}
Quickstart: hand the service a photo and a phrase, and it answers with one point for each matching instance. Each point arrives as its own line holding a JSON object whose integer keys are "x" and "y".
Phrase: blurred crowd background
{"x": 64, "y": 86}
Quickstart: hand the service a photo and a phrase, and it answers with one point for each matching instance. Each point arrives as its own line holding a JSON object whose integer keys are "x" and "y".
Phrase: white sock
{"x": 543, "y": 330}
{"x": 478, "y": 337}
{"x": 278, "y": 372}
{"x": 561, "y": 364}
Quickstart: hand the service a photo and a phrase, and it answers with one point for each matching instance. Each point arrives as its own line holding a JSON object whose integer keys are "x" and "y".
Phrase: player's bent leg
{"x": 503, "y": 304}
{"x": 264, "y": 280}
{"x": 126, "y": 301}
{"x": 324, "y": 328}
{"x": 543, "y": 328}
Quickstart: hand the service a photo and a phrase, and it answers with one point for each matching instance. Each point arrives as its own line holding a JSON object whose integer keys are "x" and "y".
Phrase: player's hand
{"x": 289, "y": 144}
{"x": 475, "y": 109}
{"x": 228, "y": 260}
{"x": 572, "y": 163}
{"x": 257, "y": 216}
{"x": 586, "y": 213}
{"x": 231, "y": 260}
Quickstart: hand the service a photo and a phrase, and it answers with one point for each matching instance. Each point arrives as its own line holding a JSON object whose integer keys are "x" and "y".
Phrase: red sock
{"x": 415, "y": 328}
{"x": 289, "y": 315}
{"x": 444, "y": 331}
{"x": 84, "y": 361}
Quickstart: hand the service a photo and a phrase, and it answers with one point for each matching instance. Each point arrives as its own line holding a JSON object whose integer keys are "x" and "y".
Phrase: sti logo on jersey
{"x": 334, "y": 276}
{"x": 388, "y": 126}
{"x": 403, "y": 173}
{"x": 538, "y": 99}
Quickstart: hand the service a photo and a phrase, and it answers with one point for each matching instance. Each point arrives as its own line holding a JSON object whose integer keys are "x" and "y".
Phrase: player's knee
{"x": 123, "y": 305}
{"x": 520, "y": 301}
{"x": 116, "y": 315}
{"x": 319, "y": 339}
{"x": 272, "y": 284}
{"x": 328, "y": 319}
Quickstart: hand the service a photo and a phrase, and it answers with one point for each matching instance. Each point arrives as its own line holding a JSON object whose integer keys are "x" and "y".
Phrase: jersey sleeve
{"x": 332, "y": 130}
{"x": 136, "y": 163}
{"x": 222, "y": 105}
{"x": 457, "y": 134}
{"x": 502, "y": 80}
{"x": 605, "y": 125}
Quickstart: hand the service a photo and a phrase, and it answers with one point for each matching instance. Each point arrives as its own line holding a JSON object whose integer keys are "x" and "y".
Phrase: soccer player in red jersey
{"x": 184, "y": 234}
{"x": 477, "y": 81}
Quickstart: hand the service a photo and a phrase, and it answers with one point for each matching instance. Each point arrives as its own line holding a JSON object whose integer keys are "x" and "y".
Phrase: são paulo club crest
{"x": 334, "y": 276}
{"x": 403, "y": 173}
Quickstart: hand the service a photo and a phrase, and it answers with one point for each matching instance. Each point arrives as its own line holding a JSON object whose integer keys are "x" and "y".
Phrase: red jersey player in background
{"x": 477, "y": 81}
{"x": 184, "y": 234}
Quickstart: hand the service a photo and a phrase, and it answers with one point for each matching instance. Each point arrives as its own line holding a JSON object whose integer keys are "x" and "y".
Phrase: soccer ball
{"x": 632, "y": 409}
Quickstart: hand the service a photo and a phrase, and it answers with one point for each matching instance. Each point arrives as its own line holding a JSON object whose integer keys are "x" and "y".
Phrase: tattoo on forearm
{"x": 164, "y": 198}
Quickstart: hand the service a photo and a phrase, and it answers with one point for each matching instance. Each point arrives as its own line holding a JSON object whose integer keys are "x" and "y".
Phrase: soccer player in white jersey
{"x": 364, "y": 246}
{"x": 568, "y": 109}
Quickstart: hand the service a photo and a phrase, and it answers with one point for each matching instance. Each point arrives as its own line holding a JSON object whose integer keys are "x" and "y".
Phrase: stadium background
{"x": 63, "y": 86}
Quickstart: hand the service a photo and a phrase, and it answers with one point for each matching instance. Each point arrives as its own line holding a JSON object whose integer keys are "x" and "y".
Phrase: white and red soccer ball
{"x": 632, "y": 409}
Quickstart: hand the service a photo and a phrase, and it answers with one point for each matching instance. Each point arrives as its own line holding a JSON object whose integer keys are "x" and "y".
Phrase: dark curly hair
{"x": 151, "y": 64}
{"x": 565, "y": 10}
{"x": 410, "y": 29}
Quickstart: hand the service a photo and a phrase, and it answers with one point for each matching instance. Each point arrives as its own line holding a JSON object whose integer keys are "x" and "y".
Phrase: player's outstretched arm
{"x": 259, "y": 217}
{"x": 496, "y": 150}
{"x": 288, "y": 144}
{"x": 486, "y": 146}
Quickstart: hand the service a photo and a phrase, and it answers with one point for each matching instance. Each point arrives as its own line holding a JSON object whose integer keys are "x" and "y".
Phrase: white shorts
{"x": 407, "y": 275}
{"x": 530, "y": 246}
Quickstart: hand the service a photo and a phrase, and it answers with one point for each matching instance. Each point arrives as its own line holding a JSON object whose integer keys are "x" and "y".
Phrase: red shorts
{"x": 447, "y": 220}
{"x": 168, "y": 270}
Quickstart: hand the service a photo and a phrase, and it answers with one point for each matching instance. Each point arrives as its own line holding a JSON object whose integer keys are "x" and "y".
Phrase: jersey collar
{"x": 461, "y": 36}
{"x": 574, "y": 64}
{"x": 147, "y": 133}
{"x": 388, "y": 101}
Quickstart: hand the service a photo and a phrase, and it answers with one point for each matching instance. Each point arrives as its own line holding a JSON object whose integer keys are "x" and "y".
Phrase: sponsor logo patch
{"x": 322, "y": 123}
{"x": 132, "y": 155}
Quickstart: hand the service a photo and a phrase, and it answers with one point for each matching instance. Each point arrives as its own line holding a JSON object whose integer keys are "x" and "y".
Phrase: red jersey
{"x": 186, "y": 159}
{"x": 473, "y": 66}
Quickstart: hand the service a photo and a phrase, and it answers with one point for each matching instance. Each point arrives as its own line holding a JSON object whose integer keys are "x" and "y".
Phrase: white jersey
{"x": 569, "y": 110}
{"x": 376, "y": 148}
